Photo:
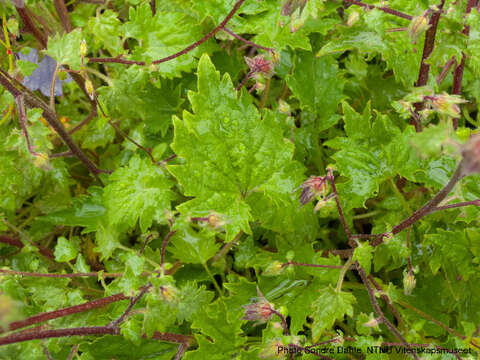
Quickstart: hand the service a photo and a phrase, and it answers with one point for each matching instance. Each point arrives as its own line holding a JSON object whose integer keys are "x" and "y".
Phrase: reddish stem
{"x": 387, "y": 300}
{"x": 180, "y": 53}
{"x": 381, "y": 8}
{"x": 313, "y": 265}
{"x": 424, "y": 67}
{"x": 30, "y": 26}
{"x": 248, "y": 42}
{"x": 331, "y": 179}
{"x": 65, "y": 311}
{"x": 458, "y": 73}
{"x": 17, "y": 243}
{"x": 379, "y": 312}
{"x": 63, "y": 14}
{"x": 164, "y": 247}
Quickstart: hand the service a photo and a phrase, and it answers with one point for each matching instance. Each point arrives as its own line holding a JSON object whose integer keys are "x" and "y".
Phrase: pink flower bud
{"x": 314, "y": 186}
{"x": 259, "y": 310}
{"x": 446, "y": 104}
{"x": 259, "y": 64}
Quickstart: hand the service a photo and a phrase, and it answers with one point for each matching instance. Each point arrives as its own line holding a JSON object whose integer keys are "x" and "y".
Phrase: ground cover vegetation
{"x": 250, "y": 179}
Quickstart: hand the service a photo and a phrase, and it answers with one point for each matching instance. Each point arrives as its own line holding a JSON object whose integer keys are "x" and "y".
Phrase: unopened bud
{"x": 314, "y": 186}
{"x": 83, "y": 48}
{"x": 446, "y": 104}
{"x": 41, "y": 161}
{"x": 216, "y": 220}
{"x": 259, "y": 64}
{"x": 259, "y": 311}
{"x": 409, "y": 283}
{"x": 418, "y": 25}
{"x": 283, "y": 107}
{"x": 89, "y": 88}
{"x": 275, "y": 268}
{"x": 471, "y": 155}
{"x": 371, "y": 323}
{"x": 168, "y": 292}
{"x": 352, "y": 18}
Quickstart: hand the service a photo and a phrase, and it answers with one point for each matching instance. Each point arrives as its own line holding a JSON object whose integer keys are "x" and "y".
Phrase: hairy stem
{"x": 379, "y": 312}
{"x": 331, "y": 179}
{"x": 248, "y": 42}
{"x": 381, "y": 8}
{"x": 66, "y": 311}
{"x": 458, "y": 72}
{"x": 189, "y": 48}
{"x": 424, "y": 67}
{"x": 130, "y": 306}
{"x": 33, "y": 101}
{"x": 63, "y": 14}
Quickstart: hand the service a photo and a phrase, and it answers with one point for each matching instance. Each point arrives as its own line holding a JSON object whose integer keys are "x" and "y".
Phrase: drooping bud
{"x": 89, "y": 88}
{"x": 259, "y": 64}
{"x": 446, "y": 104}
{"x": 274, "y": 268}
{"x": 216, "y": 220}
{"x": 471, "y": 155}
{"x": 418, "y": 25}
{"x": 314, "y": 186}
{"x": 259, "y": 310}
{"x": 372, "y": 323}
{"x": 409, "y": 282}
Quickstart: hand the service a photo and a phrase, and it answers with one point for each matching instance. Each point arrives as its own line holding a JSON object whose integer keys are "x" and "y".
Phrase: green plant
{"x": 239, "y": 179}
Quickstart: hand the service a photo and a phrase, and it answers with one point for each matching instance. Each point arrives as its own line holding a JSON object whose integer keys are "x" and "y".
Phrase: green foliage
{"x": 201, "y": 161}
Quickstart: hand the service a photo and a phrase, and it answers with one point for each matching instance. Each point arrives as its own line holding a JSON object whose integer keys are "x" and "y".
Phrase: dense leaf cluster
{"x": 231, "y": 177}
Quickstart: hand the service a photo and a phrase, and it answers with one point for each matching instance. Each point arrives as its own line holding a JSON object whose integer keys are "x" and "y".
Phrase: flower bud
{"x": 275, "y": 268}
{"x": 283, "y": 107}
{"x": 89, "y": 88}
{"x": 471, "y": 155}
{"x": 41, "y": 161}
{"x": 418, "y": 25}
{"x": 260, "y": 310}
{"x": 168, "y": 292}
{"x": 83, "y": 49}
{"x": 372, "y": 323}
{"x": 409, "y": 283}
{"x": 446, "y": 104}
{"x": 215, "y": 220}
{"x": 314, "y": 186}
{"x": 352, "y": 18}
{"x": 259, "y": 64}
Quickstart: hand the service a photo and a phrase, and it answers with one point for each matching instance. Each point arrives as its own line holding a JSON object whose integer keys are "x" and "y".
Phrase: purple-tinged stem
{"x": 381, "y": 8}
{"x": 458, "y": 72}
{"x": 331, "y": 179}
{"x": 63, "y": 14}
{"x": 180, "y": 53}
{"x": 379, "y": 312}
{"x": 248, "y": 42}
{"x": 428, "y": 47}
